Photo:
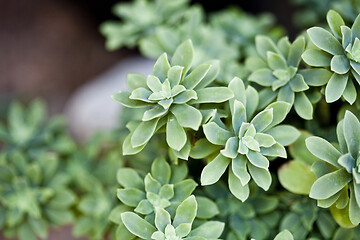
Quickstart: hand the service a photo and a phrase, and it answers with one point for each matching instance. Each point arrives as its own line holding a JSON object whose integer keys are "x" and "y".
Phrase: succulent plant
{"x": 164, "y": 187}
{"x": 34, "y": 195}
{"x": 340, "y": 52}
{"x": 26, "y": 129}
{"x": 338, "y": 176}
{"x": 278, "y": 69}
{"x": 168, "y": 95}
{"x": 247, "y": 143}
{"x": 178, "y": 227}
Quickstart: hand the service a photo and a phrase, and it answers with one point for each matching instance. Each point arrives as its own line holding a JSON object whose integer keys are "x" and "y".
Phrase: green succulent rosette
{"x": 339, "y": 51}
{"x": 34, "y": 195}
{"x": 246, "y": 143}
{"x": 278, "y": 70}
{"x": 168, "y": 96}
{"x": 164, "y": 187}
{"x": 178, "y": 227}
{"x": 27, "y": 129}
{"x": 338, "y": 173}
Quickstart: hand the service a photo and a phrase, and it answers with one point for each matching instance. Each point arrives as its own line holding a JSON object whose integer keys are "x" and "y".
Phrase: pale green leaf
{"x": 329, "y": 184}
{"x": 137, "y": 226}
{"x": 214, "y": 170}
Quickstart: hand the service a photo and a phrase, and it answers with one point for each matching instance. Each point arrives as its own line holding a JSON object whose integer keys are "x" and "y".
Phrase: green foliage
{"x": 140, "y": 18}
{"x": 195, "y": 107}
{"x": 34, "y": 195}
{"x": 93, "y": 169}
{"x": 248, "y": 142}
{"x": 338, "y": 51}
{"x": 173, "y": 228}
{"x": 26, "y": 129}
{"x": 337, "y": 172}
{"x": 257, "y": 218}
{"x": 169, "y": 95}
{"x": 277, "y": 69}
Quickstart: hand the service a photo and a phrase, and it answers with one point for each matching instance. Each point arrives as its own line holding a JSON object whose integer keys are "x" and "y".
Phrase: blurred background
{"x": 50, "y": 48}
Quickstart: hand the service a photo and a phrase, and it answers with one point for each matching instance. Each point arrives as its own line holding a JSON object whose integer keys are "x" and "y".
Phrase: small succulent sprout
{"x": 178, "y": 227}
{"x": 277, "y": 69}
{"x": 248, "y": 142}
{"x": 34, "y": 195}
{"x": 164, "y": 187}
{"x": 338, "y": 171}
{"x": 339, "y": 51}
{"x": 168, "y": 96}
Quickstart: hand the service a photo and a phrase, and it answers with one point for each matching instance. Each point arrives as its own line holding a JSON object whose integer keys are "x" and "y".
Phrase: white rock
{"x": 91, "y": 108}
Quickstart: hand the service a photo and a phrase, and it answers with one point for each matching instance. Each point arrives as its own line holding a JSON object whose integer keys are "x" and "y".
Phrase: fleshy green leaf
{"x": 236, "y": 188}
{"x": 316, "y": 58}
{"x": 161, "y": 170}
{"x": 325, "y": 40}
{"x": 240, "y": 170}
{"x": 208, "y": 230}
{"x": 352, "y": 133}
{"x": 137, "y": 226}
{"x": 284, "y": 134}
{"x": 186, "y": 211}
{"x": 214, "y": 170}
{"x": 263, "y": 119}
{"x": 175, "y": 134}
{"x": 123, "y": 98}
{"x": 303, "y": 106}
{"x": 161, "y": 67}
{"x": 335, "y": 87}
{"x": 183, "y": 55}
{"x": 129, "y": 178}
{"x": 280, "y": 110}
{"x": 143, "y": 133}
{"x": 284, "y": 235}
{"x": 340, "y": 64}
{"x": 187, "y": 116}
{"x": 263, "y": 77}
{"x": 261, "y": 176}
{"x": 329, "y": 184}
{"x": 213, "y": 95}
{"x": 295, "y": 51}
{"x": 264, "y": 45}
{"x": 215, "y": 134}
{"x": 296, "y": 177}
{"x": 135, "y": 80}
{"x": 335, "y": 22}
{"x": 323, "y": 149}
{"x": 130, "y": 196}
{"x": 195, "y": 77}
{"x": 162, "y": 219}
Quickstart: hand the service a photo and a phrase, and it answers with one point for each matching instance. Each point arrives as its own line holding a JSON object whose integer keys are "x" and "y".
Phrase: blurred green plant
{"x": 34, "y": 195}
